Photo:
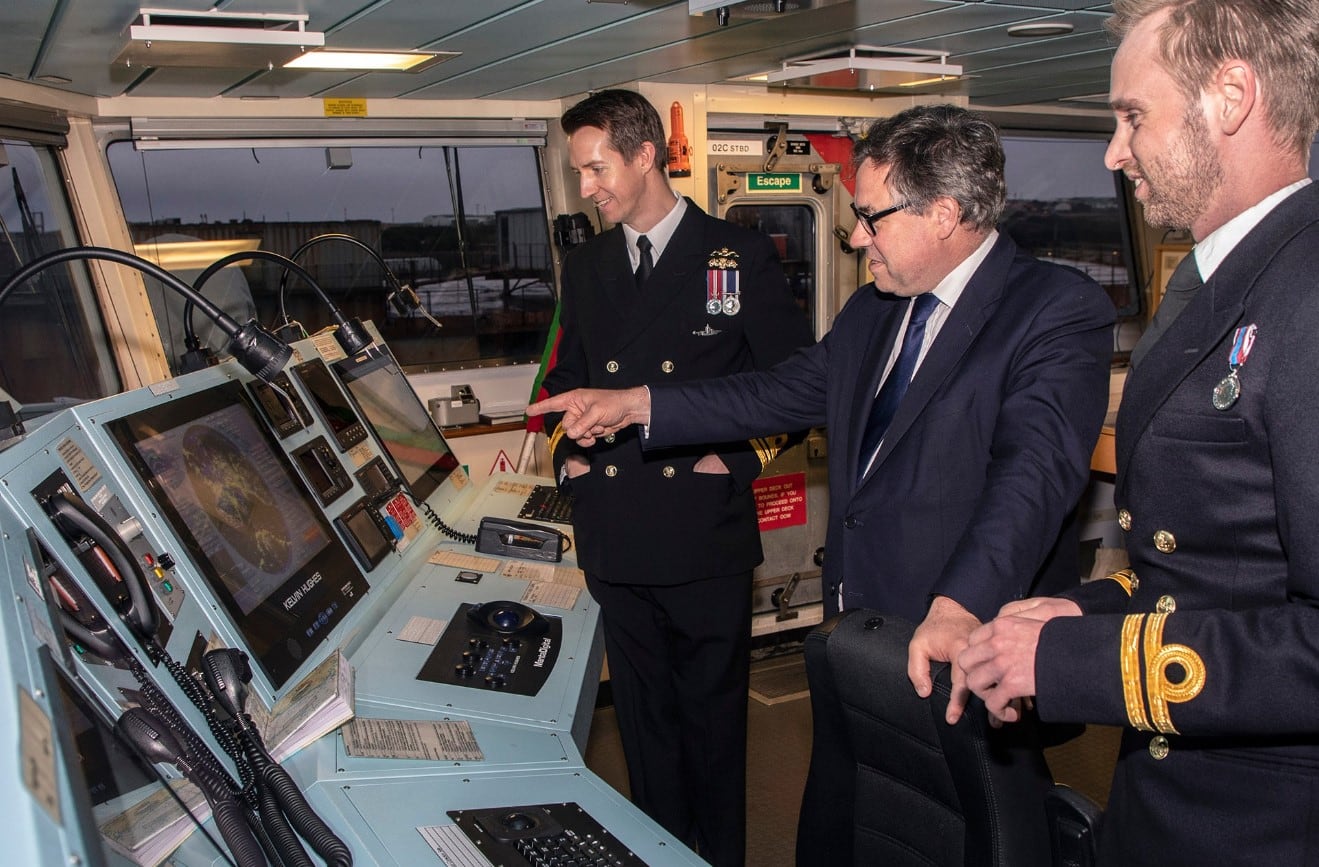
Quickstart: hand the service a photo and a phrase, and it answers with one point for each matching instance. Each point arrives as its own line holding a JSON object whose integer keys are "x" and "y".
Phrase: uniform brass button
{"x": 667, "y": 366}
{"x": 669, "y": 472}
{"x": 1166, "y": 542}
{"x": 1167, "y": 605}
{"x": 1124, "y": 519}
{"x": 610, "y": 438}
{"x": 612, "y": 366}
{"x": 1159, "y": 748}
{"x": 611, "y": 471}
{"x": 1135, "y": 584}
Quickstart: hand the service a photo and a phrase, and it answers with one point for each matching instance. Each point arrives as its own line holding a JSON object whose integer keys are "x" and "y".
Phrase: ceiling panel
{"x": 549, "y": 49}
{"x": 22, "y": 23}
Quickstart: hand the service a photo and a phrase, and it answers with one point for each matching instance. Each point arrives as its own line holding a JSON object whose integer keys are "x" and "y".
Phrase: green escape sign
{"x": 759, "y": 182}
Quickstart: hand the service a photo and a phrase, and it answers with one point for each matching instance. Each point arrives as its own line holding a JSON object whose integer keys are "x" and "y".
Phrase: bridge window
{"x": 53, "y": 345}
{"x": 1064, "y": 206}
{"x": 463, "y": 224}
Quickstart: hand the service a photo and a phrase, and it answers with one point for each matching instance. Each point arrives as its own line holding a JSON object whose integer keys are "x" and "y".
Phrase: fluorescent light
{"x": 373, "y": 61}
{"x": 218, "y": 40}
{"x": 869, "y": 68}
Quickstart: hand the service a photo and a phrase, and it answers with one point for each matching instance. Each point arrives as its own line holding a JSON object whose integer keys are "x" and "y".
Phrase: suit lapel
{"x": 959, "y": 331}
{"x": 884, "y": 332}
{"x": 1201, "y": 327}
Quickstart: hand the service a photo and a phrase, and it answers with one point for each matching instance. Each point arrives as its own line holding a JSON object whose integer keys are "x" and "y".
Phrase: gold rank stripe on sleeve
{"x": 1126, "y": 578}
{"x": 555, "y": 437}
{"x": 1158, "y": 658}
{"x": 766, "y": 451}
{"x": 1147, "y": 685}
{"x": 1132, "y": 687}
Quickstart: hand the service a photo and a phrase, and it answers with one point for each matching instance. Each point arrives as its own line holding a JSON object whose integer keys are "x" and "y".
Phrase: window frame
{"x": 155, "y": 134}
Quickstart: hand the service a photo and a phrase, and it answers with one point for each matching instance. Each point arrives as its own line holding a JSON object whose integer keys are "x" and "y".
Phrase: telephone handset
{"x": 505, "y": 537}
{"x": 111, "y": 564}
{"x": 282, "y": 807}
{"x": 153, "y": 740}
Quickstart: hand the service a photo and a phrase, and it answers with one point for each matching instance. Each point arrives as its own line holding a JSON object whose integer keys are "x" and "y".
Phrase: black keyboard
{"x": 543, "y": 835}
{"x": 548, "y": 503}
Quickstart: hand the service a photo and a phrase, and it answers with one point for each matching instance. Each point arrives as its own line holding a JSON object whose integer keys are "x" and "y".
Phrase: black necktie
{"x": 647, "y": 262}
{"x": 895, "y": 385}
{"x": 1182, "y": 286}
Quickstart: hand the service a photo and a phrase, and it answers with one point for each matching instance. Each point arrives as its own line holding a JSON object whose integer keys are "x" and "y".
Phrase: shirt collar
{"x": 1215, "y": 247}
{"x": 951, "y": 286}
{"x": 658, "y": 235}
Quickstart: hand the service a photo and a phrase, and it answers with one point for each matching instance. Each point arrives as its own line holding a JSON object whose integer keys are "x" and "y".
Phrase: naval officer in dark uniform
{"x": 668, "y": 539}
{"x": 1206, "y": 650}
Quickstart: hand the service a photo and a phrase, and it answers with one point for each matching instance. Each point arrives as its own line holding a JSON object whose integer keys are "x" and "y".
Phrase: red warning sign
{"x": 780, "y": 501}
{"x": 502, "y": 464}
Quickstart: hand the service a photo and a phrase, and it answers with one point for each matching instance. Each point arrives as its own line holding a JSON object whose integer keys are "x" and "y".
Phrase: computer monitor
{"x": 248, "y": 523}
{"x": 406, "y": 430}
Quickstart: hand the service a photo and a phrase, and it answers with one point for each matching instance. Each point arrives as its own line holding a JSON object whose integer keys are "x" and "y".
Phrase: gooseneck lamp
{"x": 256, "y": 349}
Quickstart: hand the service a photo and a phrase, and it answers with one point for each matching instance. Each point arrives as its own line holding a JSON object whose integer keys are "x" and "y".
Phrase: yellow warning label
{"x": 345, "y": 107}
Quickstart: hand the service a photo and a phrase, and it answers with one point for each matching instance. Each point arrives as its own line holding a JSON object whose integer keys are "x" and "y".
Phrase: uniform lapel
{"x": 638, "y": 311}
{"x": 1181, "y": 348}
{"x": 1201, "y": 327}
{"x": 959, "y": 331}
{"x": 613, "y": 274}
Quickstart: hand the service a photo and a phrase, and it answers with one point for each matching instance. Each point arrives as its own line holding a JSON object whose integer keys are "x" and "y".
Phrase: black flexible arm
{"x": 190, "y": 336}
{"x": 226, "y": 322}
{"x": 360, "y": 333}
{"x": 254, "y": 348}
{"x": 338, "y": 236}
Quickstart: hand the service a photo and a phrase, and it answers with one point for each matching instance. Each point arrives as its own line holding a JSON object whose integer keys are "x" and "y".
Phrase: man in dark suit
{"x": 1205, "y": 650}
{"x": 966, "y": 499}
{"x": 668, "y": 539}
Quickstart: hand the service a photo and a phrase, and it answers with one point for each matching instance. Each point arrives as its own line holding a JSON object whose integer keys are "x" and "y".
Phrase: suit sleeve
{"x": 774, "y": 326}
{"x": 1053, "y": 404}
{"x": 1216, "y": 671}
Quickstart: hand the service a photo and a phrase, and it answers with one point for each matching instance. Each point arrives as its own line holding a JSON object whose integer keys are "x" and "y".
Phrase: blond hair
{"x": 1278, "y": 38}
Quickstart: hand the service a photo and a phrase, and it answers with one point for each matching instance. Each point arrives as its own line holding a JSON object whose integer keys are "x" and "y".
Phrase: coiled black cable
{"x": 438, "y": 522}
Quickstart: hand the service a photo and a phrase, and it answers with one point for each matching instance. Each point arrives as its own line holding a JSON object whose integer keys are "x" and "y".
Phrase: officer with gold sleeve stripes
{"x": 1205, "y": 651}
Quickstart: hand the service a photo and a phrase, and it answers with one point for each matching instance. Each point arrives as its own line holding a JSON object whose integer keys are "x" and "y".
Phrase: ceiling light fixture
{"x": 216, "y": 40}
{"x": 871, "y": 69}
{"x": 370, "y": 61}
{"x": 1040, "y": 29}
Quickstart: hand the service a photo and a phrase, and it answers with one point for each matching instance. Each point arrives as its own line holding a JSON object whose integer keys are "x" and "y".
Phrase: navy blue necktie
{"x": 647, "y": 261}
{"x": 895, "y": 385}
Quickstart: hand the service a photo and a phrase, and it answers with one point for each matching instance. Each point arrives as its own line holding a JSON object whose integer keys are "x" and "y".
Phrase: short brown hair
{"x": 627, "y": 118}
{"x": 1278, "y": 38}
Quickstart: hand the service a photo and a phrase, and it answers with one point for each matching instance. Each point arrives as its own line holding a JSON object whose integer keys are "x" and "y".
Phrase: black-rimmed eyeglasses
{"x": 869, "y": 220}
